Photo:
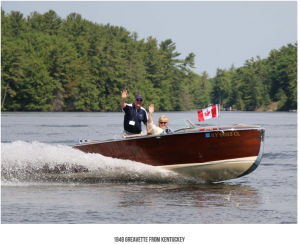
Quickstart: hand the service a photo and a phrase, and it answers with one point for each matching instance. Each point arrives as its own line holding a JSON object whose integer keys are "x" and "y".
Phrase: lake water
{"x": 125, "y": 192}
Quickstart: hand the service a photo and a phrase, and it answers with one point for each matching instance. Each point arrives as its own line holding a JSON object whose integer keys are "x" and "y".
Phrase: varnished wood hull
{"x": 210, "y": 154}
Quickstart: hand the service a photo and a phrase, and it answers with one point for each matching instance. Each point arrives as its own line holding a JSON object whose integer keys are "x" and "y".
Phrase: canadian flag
{"x": 208, "y": 113}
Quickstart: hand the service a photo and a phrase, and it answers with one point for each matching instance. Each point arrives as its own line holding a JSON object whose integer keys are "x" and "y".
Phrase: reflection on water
{"x": 202, "y": 196}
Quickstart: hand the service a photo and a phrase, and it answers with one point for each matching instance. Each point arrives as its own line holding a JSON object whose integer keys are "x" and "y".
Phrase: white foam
{"x": 21, "y": 157}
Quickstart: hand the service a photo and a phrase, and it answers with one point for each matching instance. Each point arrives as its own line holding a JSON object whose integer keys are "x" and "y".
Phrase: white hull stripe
{"x": 214, "y": 171}
{"x": 245, "y": 160}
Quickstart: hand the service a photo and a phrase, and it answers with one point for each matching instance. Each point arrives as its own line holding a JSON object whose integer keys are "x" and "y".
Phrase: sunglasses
{"x": 164, "y": 123}
{"x": 139, "y": 100}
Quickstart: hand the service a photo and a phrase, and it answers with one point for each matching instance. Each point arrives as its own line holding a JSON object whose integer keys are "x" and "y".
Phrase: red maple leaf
{"x": 207, "y": 113}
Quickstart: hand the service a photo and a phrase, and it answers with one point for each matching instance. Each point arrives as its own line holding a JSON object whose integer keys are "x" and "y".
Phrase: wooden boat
{"x": 212, "y": 154}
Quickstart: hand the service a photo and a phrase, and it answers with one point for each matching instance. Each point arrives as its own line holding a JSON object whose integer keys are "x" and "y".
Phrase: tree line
{"x": 54, "y": 64}
{"x": 260, "y": 82}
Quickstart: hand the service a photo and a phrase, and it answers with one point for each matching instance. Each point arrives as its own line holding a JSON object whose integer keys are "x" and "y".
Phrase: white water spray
{"x": 34, "y": 160}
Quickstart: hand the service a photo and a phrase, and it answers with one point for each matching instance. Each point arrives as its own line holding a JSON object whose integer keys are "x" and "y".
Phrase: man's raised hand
{"x": 124, "y": 94}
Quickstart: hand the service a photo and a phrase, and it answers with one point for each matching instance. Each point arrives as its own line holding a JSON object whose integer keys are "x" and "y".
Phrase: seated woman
{"x": 162, "y": 122}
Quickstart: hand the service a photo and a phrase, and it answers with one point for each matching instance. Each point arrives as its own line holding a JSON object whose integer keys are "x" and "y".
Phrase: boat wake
{"x": 35, "y": 161}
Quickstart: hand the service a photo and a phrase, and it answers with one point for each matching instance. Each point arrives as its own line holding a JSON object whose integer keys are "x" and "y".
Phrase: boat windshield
{"x": 189, "y": 124}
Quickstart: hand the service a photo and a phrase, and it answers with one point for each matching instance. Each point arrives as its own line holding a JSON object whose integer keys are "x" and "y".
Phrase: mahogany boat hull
{"x": 207, "y": 153}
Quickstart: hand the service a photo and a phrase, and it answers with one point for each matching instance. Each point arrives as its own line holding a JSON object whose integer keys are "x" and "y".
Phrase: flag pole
{"x": 219, "y": 116}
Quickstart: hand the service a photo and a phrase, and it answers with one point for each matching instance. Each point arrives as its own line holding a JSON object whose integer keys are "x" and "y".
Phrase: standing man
{"x": 135, "y": 114}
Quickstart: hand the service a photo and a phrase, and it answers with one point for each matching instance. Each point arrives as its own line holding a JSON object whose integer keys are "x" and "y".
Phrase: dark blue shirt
{"x": 131, "y": 114}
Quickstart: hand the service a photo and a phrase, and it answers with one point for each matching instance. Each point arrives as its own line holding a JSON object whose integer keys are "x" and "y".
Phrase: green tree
{"x": 221, "y": 87}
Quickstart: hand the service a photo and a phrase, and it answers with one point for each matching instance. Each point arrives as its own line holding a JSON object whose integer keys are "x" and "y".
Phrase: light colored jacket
{"x": 154, "y": 129}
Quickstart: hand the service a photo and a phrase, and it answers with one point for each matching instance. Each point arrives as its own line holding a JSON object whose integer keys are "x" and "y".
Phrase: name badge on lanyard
{"x": 132, "y": 122}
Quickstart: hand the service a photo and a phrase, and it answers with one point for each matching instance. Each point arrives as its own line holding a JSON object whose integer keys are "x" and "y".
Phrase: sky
{"x": 220, "y": 34}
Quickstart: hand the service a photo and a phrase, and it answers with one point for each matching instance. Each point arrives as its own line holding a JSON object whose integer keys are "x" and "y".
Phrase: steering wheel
{"x": 167, "y": 131}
